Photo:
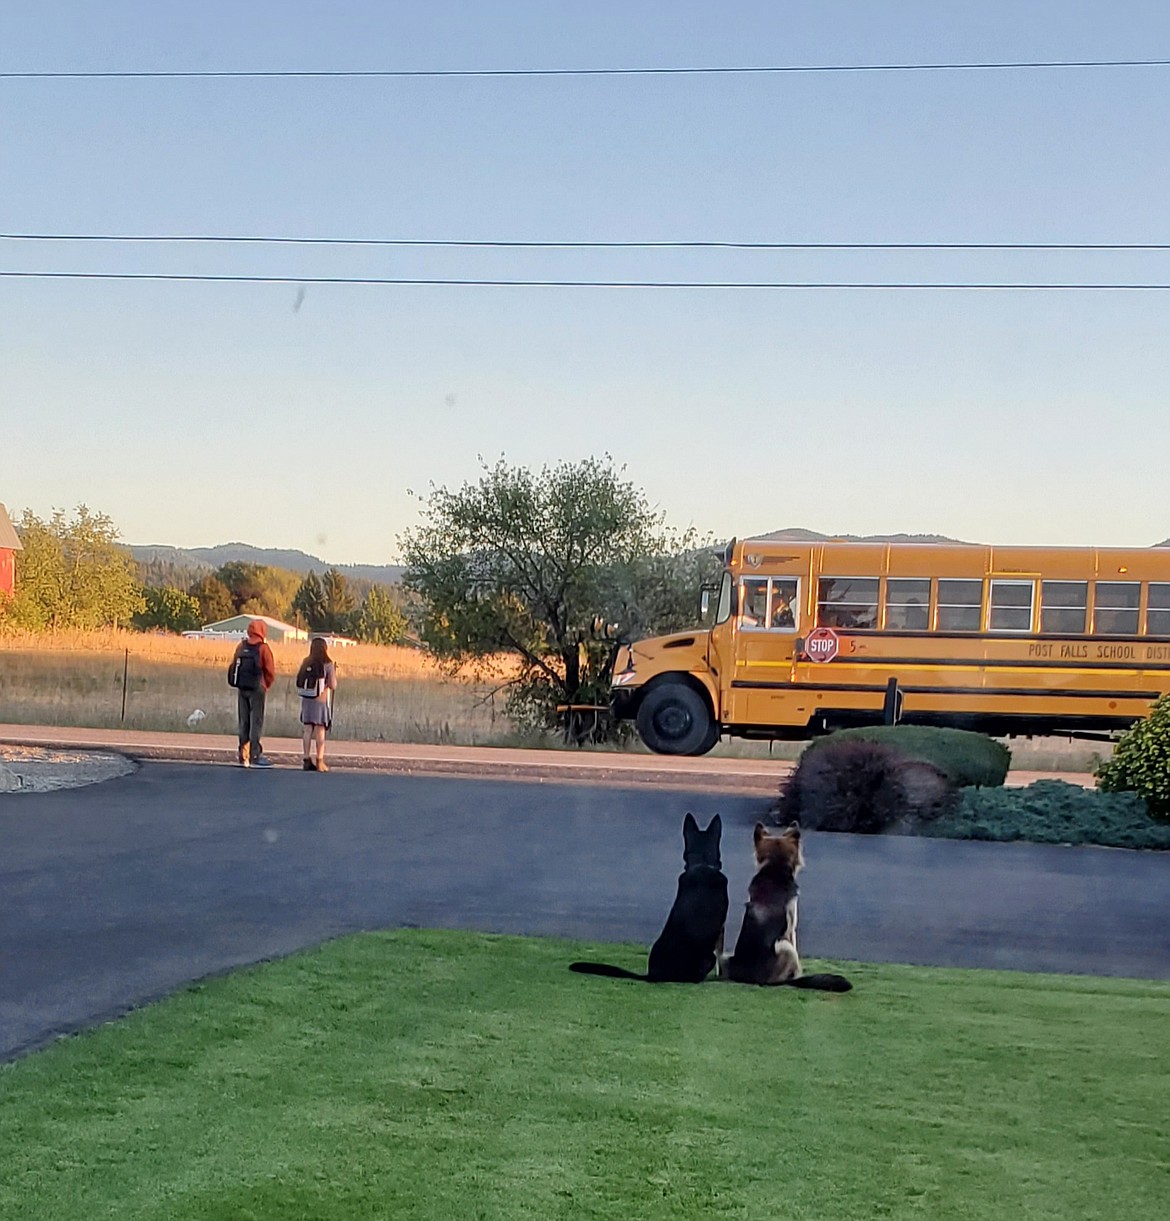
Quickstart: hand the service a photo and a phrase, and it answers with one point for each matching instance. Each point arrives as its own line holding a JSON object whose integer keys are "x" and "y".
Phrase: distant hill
{"x": 204, "y": 559}
{"x": 796, "y": 534}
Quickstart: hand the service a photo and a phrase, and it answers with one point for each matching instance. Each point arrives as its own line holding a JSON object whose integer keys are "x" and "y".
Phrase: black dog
{"x": 686, "y": 948}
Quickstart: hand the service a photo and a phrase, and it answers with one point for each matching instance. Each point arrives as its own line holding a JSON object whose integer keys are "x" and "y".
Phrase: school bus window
{"x": 782, "y": 610}
{"x": 1011, "y": 606}
{"x": 960, "y": 605}
{"x": 753, "y": 605}
{"x": 1115, "y": 610}
{"x": 1064, "y": 606}
{"x": 847, "y": 602}
{"x": 907, "y": 604}
{"x": 1158, "y": 609}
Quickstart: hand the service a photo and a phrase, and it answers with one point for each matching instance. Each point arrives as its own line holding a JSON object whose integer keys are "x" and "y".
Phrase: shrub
{"x": 1052, "y": 812}
{"x": 1141, "y": 761}
{"x": 848, "y": 784}
{"x": 965, "y": 758}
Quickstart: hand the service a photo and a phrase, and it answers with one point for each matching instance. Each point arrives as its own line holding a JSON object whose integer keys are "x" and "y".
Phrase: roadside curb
{"x": 531, "y": 773}
{"x": 343, "y": 757}
{"x": 740, "y": 777}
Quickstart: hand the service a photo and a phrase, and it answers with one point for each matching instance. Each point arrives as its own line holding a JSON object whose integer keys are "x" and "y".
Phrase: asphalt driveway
{"x": 116, "y": 894}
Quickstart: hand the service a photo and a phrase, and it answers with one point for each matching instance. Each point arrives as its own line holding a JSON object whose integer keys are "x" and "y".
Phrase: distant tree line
{"x": 73, "y": 572}
{"x": 326, "y": 603}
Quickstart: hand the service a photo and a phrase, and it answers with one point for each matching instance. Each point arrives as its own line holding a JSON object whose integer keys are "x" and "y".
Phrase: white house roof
{"x": 8, "y": 537}
{"x": 244, "y": 620}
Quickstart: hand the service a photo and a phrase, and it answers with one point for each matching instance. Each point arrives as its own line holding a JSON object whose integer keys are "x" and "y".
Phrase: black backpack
{"x": 244, "y": 669}
{"x": 310, "y": 680}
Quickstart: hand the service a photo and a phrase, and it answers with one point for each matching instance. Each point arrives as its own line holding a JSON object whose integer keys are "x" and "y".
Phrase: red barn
{"x": 9, "y": 546}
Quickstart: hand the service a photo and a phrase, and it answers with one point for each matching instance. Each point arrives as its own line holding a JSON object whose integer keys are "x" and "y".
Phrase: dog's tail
{"x": 822, "y": 983}
{"x": 604, "y": 968}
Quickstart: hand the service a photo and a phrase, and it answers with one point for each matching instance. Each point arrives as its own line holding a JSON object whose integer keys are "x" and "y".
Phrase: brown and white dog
{"x": 765, "y": 951}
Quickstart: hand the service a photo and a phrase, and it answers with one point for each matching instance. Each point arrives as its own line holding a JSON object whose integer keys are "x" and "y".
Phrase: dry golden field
{"x": 385, "y": 693}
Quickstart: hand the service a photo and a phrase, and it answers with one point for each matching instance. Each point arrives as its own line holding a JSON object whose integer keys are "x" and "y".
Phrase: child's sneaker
{"x": 263, "y": 761}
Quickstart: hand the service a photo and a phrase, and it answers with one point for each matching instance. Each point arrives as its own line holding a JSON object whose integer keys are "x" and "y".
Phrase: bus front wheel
{"x": 673, "y": 719}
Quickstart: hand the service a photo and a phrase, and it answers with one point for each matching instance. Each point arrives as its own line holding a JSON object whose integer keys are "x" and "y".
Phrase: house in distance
{"x": 237, "y": 626}
{"x": 9, "y": 546}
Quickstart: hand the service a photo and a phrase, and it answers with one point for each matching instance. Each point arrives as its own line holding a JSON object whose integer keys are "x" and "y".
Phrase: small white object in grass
{"x": 195, "y": 717}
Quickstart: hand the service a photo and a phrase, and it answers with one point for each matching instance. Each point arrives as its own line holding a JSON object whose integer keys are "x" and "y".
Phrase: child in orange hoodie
{"x": 255, "y": 670}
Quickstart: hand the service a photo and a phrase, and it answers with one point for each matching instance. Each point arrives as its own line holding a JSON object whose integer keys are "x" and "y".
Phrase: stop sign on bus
{"x": 821, "y": 644}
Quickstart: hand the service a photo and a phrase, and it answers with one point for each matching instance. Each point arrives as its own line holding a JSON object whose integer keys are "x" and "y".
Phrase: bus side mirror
{"x": 705, "y": 594}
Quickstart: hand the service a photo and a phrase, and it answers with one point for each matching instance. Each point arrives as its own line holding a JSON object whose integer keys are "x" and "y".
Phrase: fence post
{"x": 125, "y": 672}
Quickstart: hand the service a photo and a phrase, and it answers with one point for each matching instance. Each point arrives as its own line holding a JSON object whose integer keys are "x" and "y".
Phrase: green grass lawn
{"x": 450, "y": 1075}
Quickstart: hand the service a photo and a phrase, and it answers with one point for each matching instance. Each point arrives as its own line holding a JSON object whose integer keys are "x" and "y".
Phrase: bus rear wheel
{"x": 673, "y": 719}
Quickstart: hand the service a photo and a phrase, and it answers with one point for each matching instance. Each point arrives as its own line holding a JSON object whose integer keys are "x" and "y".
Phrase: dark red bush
{"x": 863, "y": 787}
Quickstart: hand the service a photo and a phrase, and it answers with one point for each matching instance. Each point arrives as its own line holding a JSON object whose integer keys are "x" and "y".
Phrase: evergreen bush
{"x": 1141, "y": 761}
{"x": 849, "y": 784}
{"x": 965, "y": 758}
{"x": 1052, "y": 812}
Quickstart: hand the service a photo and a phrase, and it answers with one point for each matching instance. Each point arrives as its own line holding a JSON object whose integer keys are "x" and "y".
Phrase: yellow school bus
{"x": 810, "y": 637}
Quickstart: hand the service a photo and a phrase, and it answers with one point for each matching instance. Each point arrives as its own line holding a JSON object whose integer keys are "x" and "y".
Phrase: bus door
{"x": 721, "y": 644}
{"x": 763, "y": 686}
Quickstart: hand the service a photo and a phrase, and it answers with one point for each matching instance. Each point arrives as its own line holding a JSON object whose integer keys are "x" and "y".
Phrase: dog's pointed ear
{"x": 793, "y": 829}
{"x": 716, "y": 825}
{"x": 690, "y": 827}
{"x": 761, "y": 832}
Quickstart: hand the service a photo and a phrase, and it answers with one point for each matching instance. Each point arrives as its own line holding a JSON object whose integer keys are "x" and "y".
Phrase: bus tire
{"x": 709, "y": 742}
{"x": 673, "y": 719}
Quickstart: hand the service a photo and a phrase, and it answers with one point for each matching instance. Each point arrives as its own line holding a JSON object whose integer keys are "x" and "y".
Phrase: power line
{"x": 242, "y": 239}
{"x": 486, "y": 283}
{"x": 743, "y": 70}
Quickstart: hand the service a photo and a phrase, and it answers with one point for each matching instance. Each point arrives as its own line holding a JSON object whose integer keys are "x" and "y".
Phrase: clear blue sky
{"x": 202, "y": 413}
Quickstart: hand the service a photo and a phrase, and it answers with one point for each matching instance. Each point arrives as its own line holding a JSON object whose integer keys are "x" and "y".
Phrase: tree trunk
{"x": 572, "y": 659}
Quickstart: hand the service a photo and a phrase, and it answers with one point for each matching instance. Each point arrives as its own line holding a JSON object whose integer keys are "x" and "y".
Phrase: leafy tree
{"x": 309, "y": 603}
{"x": 40, "y": 576}
{"x": 73, "y": 573}
{"x": 339, "y": 602}
{"x": 258, "y": 589}
{"x": 521, "y": 563}
{"x": 379, "y": 619}
{"x": 1141, "y": 761}
{"x": 169, "y": 610}
{"x": 214, "y": 599}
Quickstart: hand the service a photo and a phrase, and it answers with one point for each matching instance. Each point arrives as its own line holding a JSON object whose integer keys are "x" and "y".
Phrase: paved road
{"x": 119, "y": 893}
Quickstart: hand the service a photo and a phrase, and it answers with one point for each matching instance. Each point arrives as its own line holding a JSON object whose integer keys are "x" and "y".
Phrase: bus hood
{"x": 639, "y": 662}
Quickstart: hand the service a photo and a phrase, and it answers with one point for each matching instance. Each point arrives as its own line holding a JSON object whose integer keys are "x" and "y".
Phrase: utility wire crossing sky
{"x": 731, "y": 70}
{"x": 867, "y": 269}
{"x": 574, "y": 245}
